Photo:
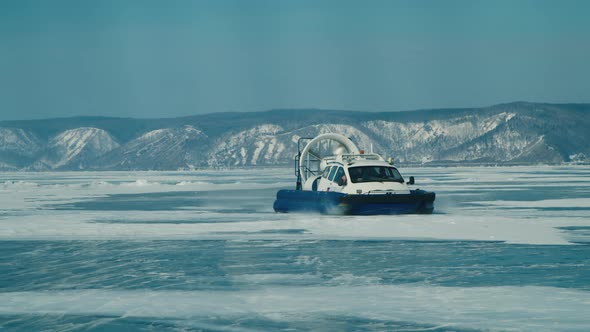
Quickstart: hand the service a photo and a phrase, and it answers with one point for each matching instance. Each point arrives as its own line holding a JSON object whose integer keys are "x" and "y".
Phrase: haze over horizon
{"x": 152, "y": 59}
{"x": 340, "y": 111}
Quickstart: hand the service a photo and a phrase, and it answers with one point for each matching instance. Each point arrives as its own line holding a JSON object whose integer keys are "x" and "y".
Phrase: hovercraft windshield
{"x": 361, "y": 174}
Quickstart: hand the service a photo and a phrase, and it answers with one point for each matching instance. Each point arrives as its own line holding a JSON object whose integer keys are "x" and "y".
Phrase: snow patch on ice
{"x": 546, "y": 203}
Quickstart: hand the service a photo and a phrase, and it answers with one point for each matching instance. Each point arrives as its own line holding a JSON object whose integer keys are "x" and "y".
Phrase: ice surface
{"x": 491, "y": 308}
{"x": 505, "y": 250}
{"x": 238, "y": 204}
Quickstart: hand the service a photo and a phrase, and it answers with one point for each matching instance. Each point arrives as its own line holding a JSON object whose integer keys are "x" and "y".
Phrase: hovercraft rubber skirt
{"x": 416, "y": 202}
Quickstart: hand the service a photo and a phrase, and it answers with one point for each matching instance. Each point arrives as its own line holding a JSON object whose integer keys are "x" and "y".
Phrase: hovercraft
{"x": 335, "y": 177}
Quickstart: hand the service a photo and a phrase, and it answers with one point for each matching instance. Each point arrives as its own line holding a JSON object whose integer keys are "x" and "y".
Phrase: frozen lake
{"x": 507, "y": 249}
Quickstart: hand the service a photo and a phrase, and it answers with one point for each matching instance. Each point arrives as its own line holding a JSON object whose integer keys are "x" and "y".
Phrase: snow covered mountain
{"x": 269, "y": 144}
{"x": 160, "y": 149}
{"x": 18, "y": 148}
{"x": 77, "y": 148}
{"x": 519, "y": 133}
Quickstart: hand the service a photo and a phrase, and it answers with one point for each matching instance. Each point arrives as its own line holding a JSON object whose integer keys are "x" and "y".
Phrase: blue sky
{"x": 175, "y": 58}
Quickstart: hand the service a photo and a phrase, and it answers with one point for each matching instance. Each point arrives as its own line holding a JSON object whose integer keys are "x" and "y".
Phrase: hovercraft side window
{"x": 374, "y": 174}
{"x": 326, "y": 172}
{"x": 339, "y": 175}
{"x": 332, "y": 173}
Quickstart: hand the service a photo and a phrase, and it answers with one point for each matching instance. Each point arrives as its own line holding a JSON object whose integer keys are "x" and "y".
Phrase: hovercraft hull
{"x": 416, "y": 202}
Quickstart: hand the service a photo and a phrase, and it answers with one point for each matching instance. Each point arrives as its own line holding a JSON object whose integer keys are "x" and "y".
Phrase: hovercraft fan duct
{"x": 323, "y": 146}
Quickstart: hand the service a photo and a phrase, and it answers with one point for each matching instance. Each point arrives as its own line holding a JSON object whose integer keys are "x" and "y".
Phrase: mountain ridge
{"x": 518, "y": 132}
